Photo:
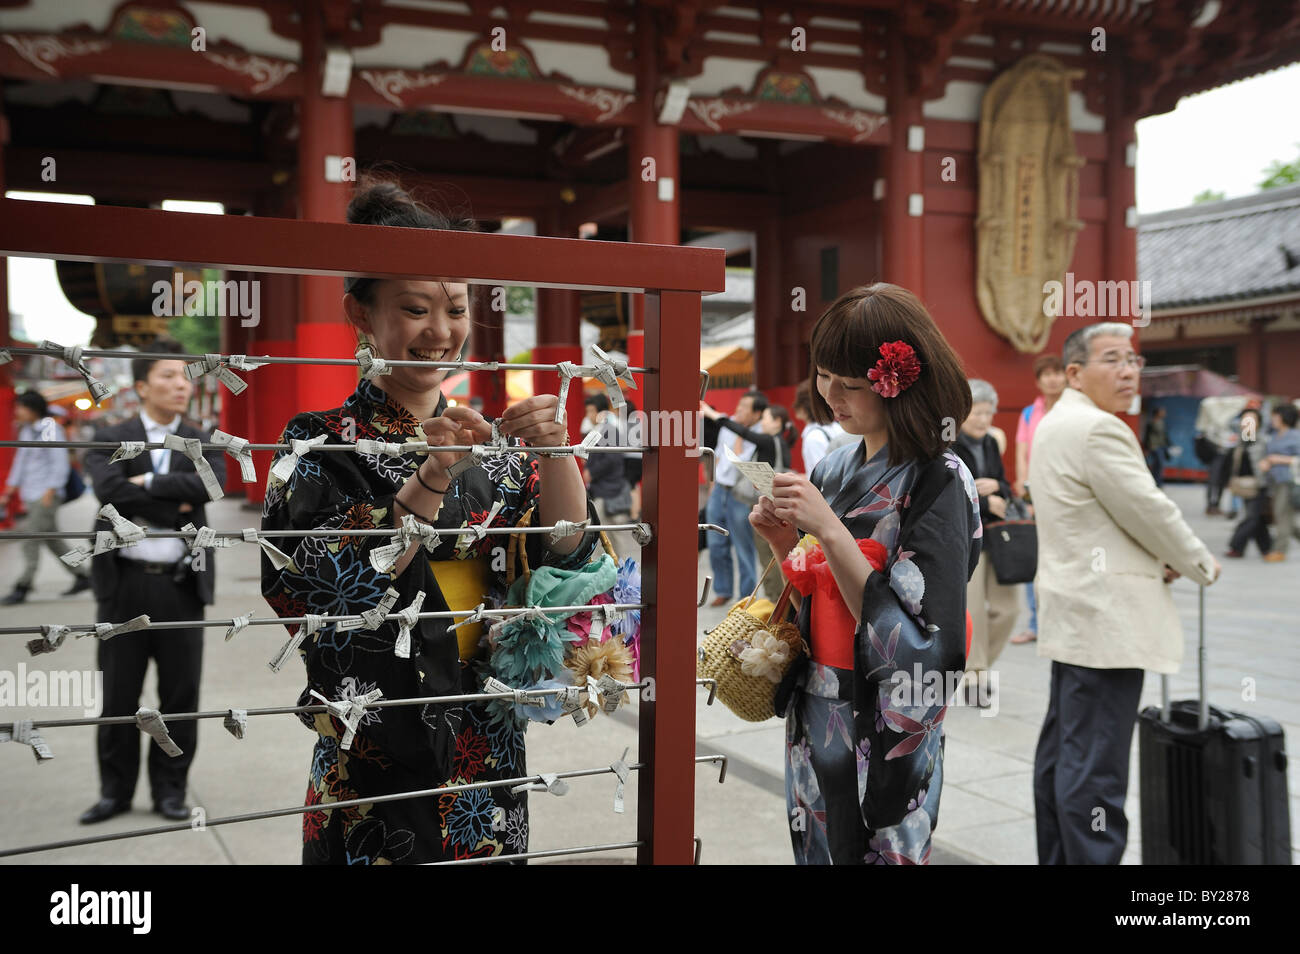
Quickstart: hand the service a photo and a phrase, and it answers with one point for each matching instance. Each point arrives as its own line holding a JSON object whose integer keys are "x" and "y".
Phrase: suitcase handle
{"x": 1203, "y": 714}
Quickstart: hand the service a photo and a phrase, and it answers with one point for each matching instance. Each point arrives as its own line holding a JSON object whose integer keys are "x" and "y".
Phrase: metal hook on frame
{"x": 708, "y": 581}
{"x": 722, "y": 772}
{"x": 704, "y": 383}
{"x": 699, "y": 847}
{"x": 711, "y": 683}
{"x": 715, "y": 528}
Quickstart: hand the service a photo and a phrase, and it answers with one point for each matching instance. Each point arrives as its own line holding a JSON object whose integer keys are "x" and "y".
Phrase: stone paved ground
{"x": 987, "y": 807}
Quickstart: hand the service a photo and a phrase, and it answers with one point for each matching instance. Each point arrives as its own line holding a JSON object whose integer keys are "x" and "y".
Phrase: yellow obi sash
{"x": 464, "y": 584}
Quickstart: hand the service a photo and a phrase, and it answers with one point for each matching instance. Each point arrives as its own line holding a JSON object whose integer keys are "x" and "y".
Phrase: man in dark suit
{"x": 161, "y": 490}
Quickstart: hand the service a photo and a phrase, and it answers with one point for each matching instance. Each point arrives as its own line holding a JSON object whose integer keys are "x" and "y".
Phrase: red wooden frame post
{"x": 666, "y": 786}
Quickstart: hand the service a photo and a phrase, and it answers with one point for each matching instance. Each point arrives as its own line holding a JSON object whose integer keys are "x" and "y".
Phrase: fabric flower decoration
{"x": 627, "y": 589}
{"x": 896, "y": 371}
{"x": 599, "y": 659}
{"x": 766, "y": 656}
{"x": 579, "y": 624}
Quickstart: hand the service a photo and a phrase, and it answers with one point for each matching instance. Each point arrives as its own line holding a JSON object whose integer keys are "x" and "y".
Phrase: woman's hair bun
{"x": 378, "y": 201}
{"x": 382, "y": 201}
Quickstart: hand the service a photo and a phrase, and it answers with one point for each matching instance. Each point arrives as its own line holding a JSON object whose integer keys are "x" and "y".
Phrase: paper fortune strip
{"x": 567, "y": 528}
{"x": 151, "y": 721}
{"x": 612, "y": 372}
{"x": 279, "y": 559}
{"x": 550, "y": 782}
{"x": 591, "y": 440}
{"x": 621, "y": 770}
{"x": 51, "y": 638}
{"x": 574, "y": 703}
{"x": 568, "y": 371}
{"x": 215, "y": 362}
{"x": 192, "y": 448}
{"x": 372, "y": 366}
{"x": 521, "y": 698}
{"x": 372, "y": 618}
{"x": 72, "y": 357}
{"x": 126, "y": 450}
{"x": 25, "y": 732}
{"x": 133, "y": 625}
{"x": 237, "y": 447}
{"x": 409, "y": 617}
{"x": 283, "y": 468}
{"x": 236, "y": 722}
{"x": 312, "y": 624}
{"x": 349, "y": 711}
{"x": 238, "y": 625}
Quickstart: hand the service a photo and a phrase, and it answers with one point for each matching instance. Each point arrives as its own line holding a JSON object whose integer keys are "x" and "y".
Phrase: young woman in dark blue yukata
{"x": 896, "y": 523}
{"x": 417, "y": 747}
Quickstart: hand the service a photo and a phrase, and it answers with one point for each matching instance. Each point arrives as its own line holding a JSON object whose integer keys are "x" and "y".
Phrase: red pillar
{"x": 272, "y": 395}
{"x": 6, "y": 377}
{"x": 654, "y": 212}
{"x": 324, "y": 129}
{"x": 1121, "y": 191}
{"x": 775, "y": 326}
{"x": 903, "y": 233}
{"x": 559, "y": 321}
{"x": 487, "y": 342}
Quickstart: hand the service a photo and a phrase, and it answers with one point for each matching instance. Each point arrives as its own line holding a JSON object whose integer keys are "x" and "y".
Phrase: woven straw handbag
{"x": 748, "y": 656}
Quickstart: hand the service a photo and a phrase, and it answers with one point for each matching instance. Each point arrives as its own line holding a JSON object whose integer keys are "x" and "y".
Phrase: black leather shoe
{"x": 173, "y": 809}
{"x": 18, "y": 595}
{"x": 80, "y": 586}
{"x": 104, "y": 809}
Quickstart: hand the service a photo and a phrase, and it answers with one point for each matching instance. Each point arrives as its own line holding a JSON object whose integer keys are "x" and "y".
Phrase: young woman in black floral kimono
{"x": 408, "y": 748}
{"x": 864, "y": 736}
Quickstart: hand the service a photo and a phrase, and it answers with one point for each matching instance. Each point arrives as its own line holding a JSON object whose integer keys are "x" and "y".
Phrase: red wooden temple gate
{"x": 842, "y": 136}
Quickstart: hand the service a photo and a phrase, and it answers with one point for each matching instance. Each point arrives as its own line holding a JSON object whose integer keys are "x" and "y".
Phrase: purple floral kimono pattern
{"x": 406, "y": 748}
{"x": 864, "y": 752}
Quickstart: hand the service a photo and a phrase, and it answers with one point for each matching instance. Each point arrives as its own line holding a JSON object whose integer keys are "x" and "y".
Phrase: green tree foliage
{"x": 520, "y": 301}
{"x": 1208, "y": 195}
{"x": 1279, "y": 173}
{"x": 201, "y": 333}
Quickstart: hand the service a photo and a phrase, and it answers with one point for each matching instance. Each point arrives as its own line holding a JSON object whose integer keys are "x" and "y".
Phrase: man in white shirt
{"x": 160, "y": 490}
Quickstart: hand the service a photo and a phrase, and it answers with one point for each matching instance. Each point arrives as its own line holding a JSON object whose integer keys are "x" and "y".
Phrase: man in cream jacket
{"x": 1108, "y": 543}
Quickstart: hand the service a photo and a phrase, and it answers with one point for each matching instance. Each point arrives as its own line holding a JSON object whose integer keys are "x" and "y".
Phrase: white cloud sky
{"x": 1219, "y": 140}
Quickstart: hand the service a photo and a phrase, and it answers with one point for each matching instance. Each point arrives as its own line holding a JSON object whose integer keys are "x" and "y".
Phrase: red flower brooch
{"x": 896, "y": 371}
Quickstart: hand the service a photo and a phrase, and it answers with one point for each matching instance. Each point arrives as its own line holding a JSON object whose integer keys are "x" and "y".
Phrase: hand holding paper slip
{"x": 759, "y": 474}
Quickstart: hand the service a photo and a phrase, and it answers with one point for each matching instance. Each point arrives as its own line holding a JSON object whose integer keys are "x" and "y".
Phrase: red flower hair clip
{"x": 896, "y": 371}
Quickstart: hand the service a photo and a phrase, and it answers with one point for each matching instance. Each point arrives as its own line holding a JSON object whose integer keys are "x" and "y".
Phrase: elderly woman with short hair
{"x": 993, "y": 606}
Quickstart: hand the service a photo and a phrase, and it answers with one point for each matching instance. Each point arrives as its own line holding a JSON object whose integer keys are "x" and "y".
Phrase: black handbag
{"x": 1012, "y": 545}
{"x": 1206, "y": 449}
{"x": 75, "y": 486}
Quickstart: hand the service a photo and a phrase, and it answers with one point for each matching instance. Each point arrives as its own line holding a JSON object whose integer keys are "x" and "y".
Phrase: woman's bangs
{"x": 842, "y": 346}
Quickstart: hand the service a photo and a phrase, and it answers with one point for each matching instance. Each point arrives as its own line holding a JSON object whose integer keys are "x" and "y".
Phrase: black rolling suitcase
{"x": 1214, "y": 788}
